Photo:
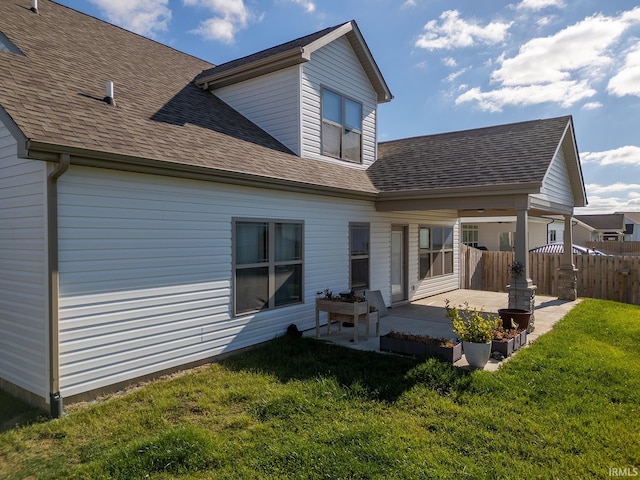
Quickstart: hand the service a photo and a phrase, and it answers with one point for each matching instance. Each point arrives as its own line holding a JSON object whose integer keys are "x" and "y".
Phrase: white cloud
{"x": 409, "y": 3}
{"x": 550, "y": 59}
{"x": 627, "y": 155}
{"x": 542, "y": 21}
{"x": 452, "y": 76}
{"x": 230, "y": 17}
{"x": 145, "y": 17}
{"x": 618, "y": 187}
{"x": 599, "y": 204}
{"x": 450, "y": 62}
{"x": 565, "y": 93}
{"x": 309, "y": 7}
{"x": 454, "y": 32}
{"x": 538, "y": 5}
{"x": 615, "y": 197}
{"x": 627, "y": 80}
{"x": 592, "y": 106}
{"x": 561, "y": 68}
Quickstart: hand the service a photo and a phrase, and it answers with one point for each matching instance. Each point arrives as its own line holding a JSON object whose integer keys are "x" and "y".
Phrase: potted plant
{"x": 475, "y": 329}
{"x": 511, "y": 315}
{"x": 444, "y": 349}
{"x": 505, "y": 341}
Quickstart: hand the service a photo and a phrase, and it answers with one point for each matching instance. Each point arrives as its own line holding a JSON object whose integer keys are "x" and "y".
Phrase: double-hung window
{"x": 341, "y": 127}
{"x": 359, "y": 256}
{"x": 435, "y": 251}
{"x": 267, "y": 264}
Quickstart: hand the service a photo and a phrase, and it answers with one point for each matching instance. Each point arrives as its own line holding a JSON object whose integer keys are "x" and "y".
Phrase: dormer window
{"x": 341, "y": 127}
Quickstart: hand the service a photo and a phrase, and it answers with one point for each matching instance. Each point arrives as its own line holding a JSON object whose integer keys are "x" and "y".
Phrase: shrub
{"x": 472, "y": 325}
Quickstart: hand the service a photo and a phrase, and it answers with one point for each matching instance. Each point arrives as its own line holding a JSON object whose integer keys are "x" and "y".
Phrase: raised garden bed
{"x": 506, "y": 346}
{"x": 523, "y": 338}
{"x": 421, "y": 346}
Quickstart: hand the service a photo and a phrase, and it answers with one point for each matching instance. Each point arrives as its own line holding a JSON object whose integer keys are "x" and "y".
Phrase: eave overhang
{"x": 260, "y": 67}
{"x": 90, "y": 158}
{"x": 457, "y": 198}
{"x": 484, "y": 200}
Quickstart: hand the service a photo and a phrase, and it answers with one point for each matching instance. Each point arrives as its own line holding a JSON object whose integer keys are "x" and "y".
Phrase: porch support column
{"x": 568, "y": 273}
{"x": 521, "y": 289}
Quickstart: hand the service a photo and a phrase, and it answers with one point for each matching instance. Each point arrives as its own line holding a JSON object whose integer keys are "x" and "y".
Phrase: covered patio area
{"x": 427, "y": 317}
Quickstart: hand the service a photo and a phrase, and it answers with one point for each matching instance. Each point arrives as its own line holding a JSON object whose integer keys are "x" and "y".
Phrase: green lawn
{"x": 567, "y": 406}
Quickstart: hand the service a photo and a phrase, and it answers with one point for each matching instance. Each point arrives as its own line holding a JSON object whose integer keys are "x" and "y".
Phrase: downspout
{"x": 55, "y": 400}
{"x": 550, "y": 223}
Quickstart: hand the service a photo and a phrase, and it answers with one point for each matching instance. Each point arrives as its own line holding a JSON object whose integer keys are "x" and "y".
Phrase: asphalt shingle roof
{"x": 504, "y": 154}
{"x": 604, "y": 221}
{"x": 633, "y": 216}
{"x": 54, "y": 95}
{"x": 269, "y": 52}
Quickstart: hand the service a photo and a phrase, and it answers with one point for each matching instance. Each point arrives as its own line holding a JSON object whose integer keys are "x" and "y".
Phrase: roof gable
{"x": 572, "y": 161}
{"x": 293, "y": 53}
{"x": 517, "y": 154}
{"x": 161, "y": 118}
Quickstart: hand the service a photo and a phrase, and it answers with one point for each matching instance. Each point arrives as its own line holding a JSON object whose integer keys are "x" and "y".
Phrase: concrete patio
{"x": 427, "y": 317}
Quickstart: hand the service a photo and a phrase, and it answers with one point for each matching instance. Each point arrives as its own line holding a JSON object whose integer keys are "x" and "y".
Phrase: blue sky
{"x": 452, "y": 64}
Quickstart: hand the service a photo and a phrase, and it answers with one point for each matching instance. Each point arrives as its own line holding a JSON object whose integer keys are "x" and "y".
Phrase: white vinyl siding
{"x": 23, "y": 270}
{"x": 556, "y": 186}
{"x": 270, "y": 101}
{"x": 336, "y": 67}
{"x": 146, "y": 268}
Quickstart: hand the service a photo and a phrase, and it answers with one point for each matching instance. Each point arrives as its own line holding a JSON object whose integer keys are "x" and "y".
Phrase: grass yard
{"x": 565, "y": 407}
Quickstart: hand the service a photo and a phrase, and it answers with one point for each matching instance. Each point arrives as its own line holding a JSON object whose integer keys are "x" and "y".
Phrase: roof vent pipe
{"x": 34, "y": 6}
{"x": 109, "y": 98}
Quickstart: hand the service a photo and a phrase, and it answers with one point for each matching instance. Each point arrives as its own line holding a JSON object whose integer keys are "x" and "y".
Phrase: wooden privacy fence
{"x": 612, "y": 277}
{"x": 616, "y": 248}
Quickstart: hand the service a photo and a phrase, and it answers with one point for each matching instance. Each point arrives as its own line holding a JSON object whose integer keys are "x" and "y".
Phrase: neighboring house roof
{"x": 292, "y": 53}
{"x": 604, "y": 222}
{"x": 512, "y": 154}
{"x": 53, "y": 96}
{"x": 633, "y": 216}
{"x": 559, "y": 248}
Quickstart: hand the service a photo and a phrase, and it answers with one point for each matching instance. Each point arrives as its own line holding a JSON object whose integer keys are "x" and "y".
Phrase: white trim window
{"x": 359, "y": 254}
{"x": 470, "y": 235}
{"x": 267, "y": 264}
{"x": 435, "y": 251}
{"x": 341, "y": 127}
